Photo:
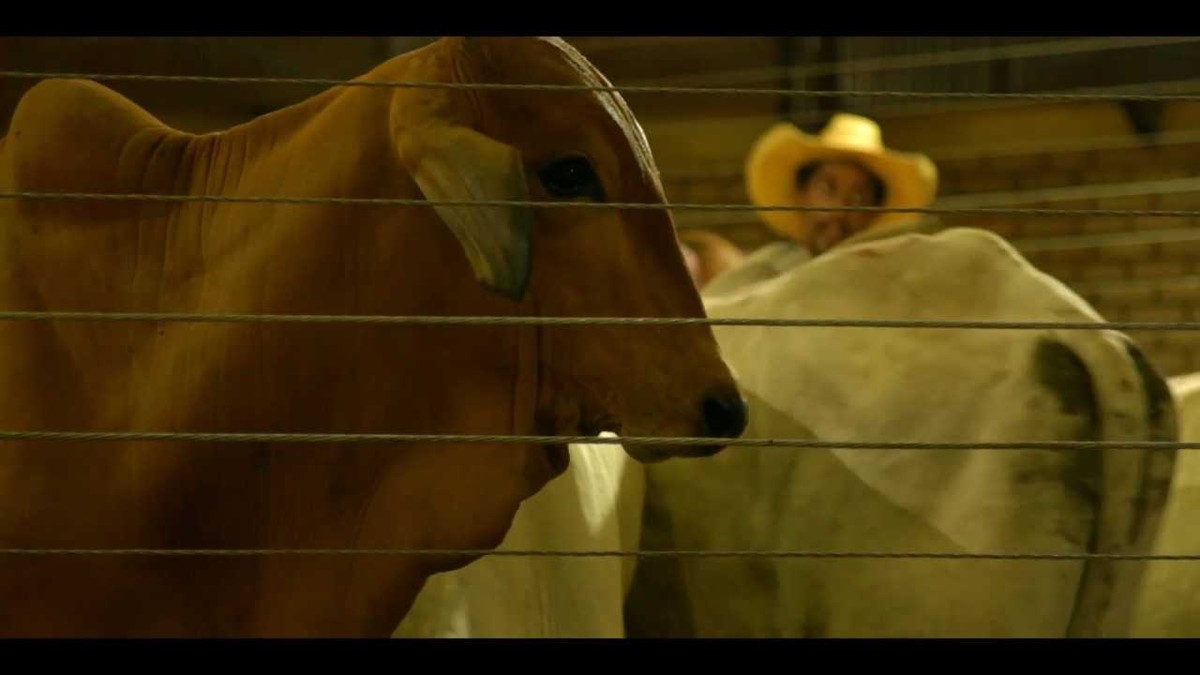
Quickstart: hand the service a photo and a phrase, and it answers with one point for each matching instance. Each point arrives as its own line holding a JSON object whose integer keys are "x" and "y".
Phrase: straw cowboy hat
{"x": 776, "y": 157}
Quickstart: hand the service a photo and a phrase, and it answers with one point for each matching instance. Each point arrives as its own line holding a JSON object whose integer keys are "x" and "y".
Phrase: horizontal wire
{"x": 591, "y": 321}
{"x": 235, "y": 437}
{"x": 540, "y": 553}
{"x": 381, "y": 201}
{"x": 595, "y": 88}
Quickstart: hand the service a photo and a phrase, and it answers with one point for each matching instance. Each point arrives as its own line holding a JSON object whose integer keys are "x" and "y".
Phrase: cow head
{"x": 570, "y": 146}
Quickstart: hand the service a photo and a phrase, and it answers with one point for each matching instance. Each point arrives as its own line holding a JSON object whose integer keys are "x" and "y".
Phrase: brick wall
{"x": 1148, "y": 281}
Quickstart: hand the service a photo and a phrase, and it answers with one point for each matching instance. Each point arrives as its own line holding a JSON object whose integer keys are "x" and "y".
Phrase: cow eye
{"x": 571, "y": 178}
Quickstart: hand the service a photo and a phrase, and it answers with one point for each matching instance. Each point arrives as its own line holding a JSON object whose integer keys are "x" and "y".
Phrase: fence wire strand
{"x": 437, "y": 320}
{"x": 784, "y": 443}
{"x": 382, "y": 201}
{"x": 538, "y": 553}
{"x": 641, "y": 89}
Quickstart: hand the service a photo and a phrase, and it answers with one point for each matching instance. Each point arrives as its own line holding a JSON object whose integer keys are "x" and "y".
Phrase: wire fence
{"x": 793, "y": 443}
{"x": 646, "y": 553}
{"x": 442, "y": 320}
{"x": 660, "y": 206}
{"x": 1058, "y": 97}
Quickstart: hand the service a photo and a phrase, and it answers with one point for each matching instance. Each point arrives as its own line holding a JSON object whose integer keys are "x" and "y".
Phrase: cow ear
{"x": 455, "y": 163}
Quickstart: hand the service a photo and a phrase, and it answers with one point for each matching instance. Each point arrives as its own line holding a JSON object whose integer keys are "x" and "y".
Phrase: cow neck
{"x": 527, "y": 381}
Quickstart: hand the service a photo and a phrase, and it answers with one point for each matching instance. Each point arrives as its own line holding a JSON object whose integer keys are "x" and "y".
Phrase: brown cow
{"x": 360, "y": 142}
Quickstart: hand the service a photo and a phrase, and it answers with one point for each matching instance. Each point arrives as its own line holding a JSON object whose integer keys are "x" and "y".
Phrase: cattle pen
{"x": 990, "y": 399}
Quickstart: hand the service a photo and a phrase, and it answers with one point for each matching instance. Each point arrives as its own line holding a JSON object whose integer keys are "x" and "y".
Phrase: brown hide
{"x": 361, "y": 142}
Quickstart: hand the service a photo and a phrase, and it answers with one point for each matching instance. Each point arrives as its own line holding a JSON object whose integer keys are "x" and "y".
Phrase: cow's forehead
{"x": 544, "y": 60}
{"x": 614, "y": 106}
{"x": 537, "y": 60}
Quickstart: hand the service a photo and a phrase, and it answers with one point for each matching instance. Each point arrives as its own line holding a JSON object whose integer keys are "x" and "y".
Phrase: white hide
{"x": 930, "y": 385}
{"x": 1170, "y": 602}
{"x": 594, "y": 506}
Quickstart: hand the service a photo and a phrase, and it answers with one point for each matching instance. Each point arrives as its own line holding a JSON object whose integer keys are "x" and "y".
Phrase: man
{"x": 845, "y": 165}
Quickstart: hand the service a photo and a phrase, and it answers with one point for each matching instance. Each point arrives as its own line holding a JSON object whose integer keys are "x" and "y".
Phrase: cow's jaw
{"x": 558, "y": 456}
{"x": 575, "y": 415}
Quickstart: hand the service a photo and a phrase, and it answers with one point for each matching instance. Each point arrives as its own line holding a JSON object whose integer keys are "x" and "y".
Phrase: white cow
{"x": 1170, "y": 603}
{"x": 926, "y": 385}
{"x": 594, "y": 506}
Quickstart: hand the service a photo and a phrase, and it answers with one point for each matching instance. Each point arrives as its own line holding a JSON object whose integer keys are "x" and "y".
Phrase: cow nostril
{"x": 725, "y": 415}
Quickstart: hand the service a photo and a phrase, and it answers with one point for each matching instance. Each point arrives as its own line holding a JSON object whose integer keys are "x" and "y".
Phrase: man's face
{"x": 837, "y": 183}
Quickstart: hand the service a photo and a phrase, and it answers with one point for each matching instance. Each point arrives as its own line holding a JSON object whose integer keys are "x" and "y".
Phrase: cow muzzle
{"x": 723, "y": 414}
